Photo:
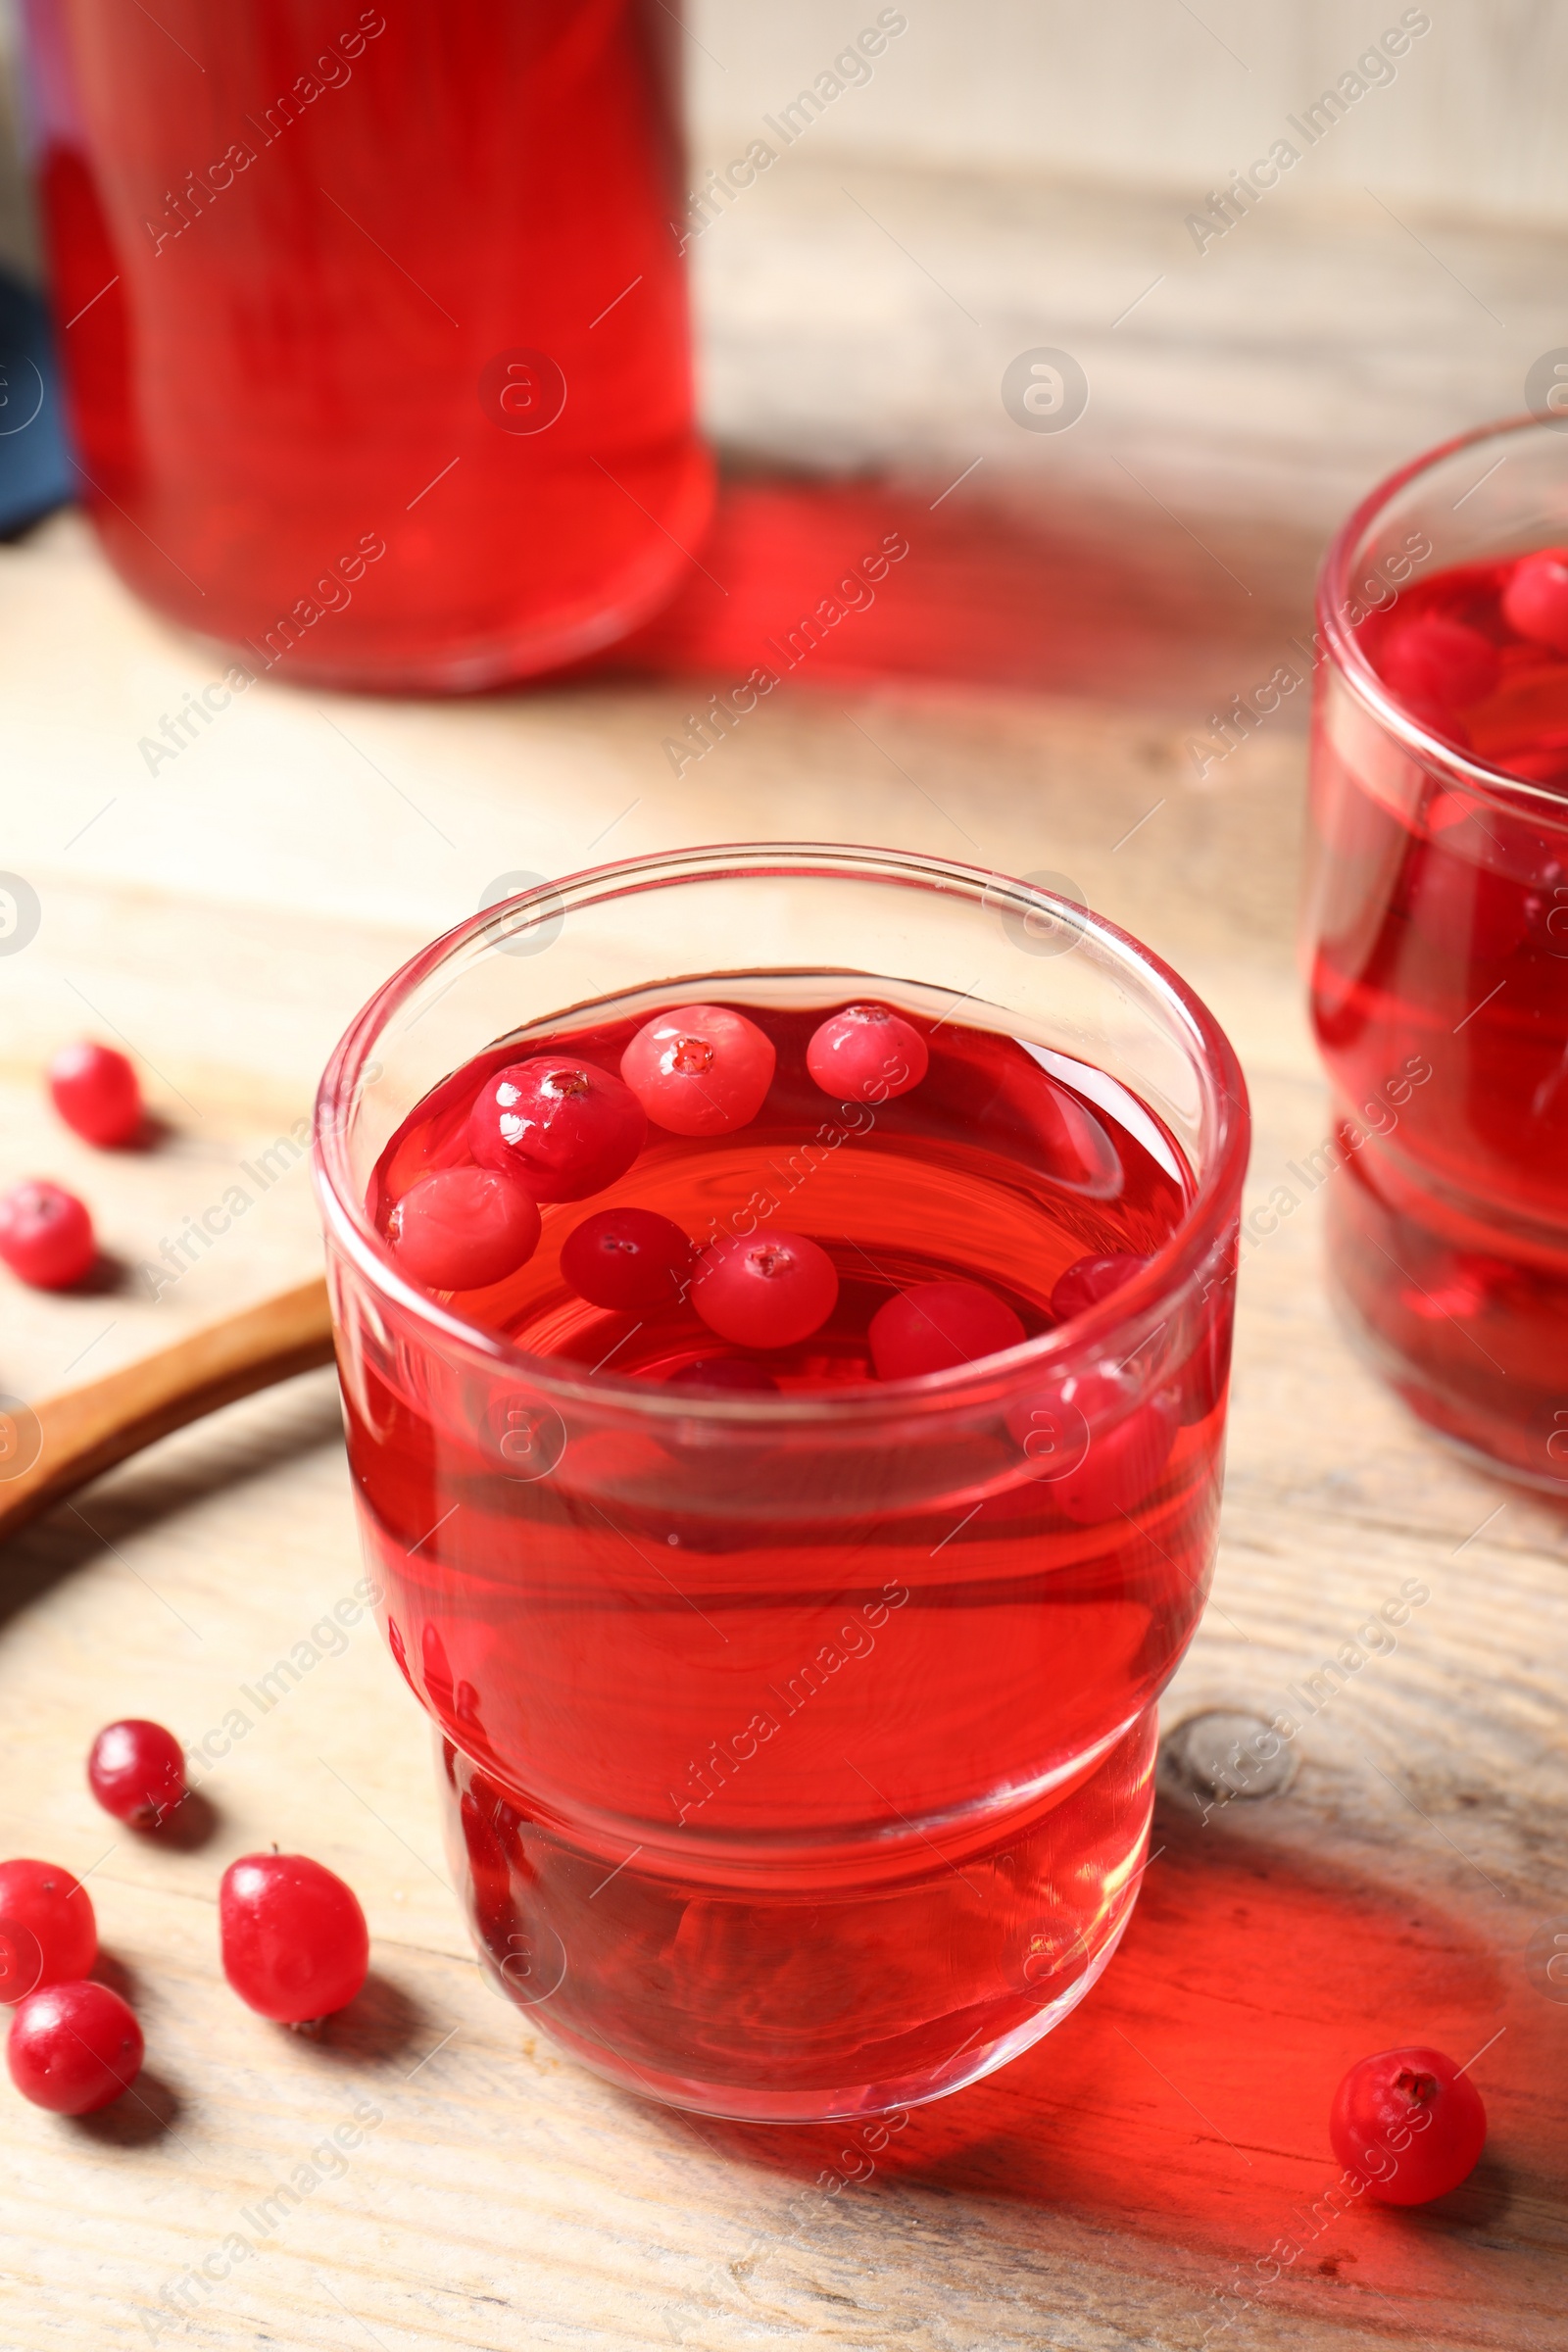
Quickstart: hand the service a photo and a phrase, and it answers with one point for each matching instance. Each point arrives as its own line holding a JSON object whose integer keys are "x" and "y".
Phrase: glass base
{"x": 1464, "y": 1323}
{"x": 426, "y": 638}
{"x": 757, "y": 1994}
{"x": 733, "y": 2105}
{"x": 1483, "y": 1444}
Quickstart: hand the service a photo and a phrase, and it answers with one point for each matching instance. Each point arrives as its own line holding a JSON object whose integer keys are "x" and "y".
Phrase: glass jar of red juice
{"x": 373, "y": 323}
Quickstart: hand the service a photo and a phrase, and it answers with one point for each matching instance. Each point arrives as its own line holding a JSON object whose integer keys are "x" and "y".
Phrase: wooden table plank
{"x": 229, "y": 911}
{"x": 1107, "y": 2191}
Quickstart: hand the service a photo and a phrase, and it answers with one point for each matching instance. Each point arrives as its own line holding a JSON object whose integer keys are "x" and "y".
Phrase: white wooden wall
{"x": 1170, "y": 93}
{"x": 1163, "y": 92}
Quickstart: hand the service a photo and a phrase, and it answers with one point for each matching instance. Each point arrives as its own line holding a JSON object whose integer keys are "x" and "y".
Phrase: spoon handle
{"x": 68, "y": 1439}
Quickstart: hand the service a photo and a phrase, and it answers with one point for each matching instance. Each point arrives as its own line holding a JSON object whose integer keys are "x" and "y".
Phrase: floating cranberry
{"x": 1463, "y": 907}
{"x": 725, "y": 1376}
{"x": 1408, "y": 2124}
{"x": 136, "y": 1770}
{"x": 765, "y": 1288}
{"x": 1534, "y": 601}
{"x": 293, "y": 1938}
{"x": 96, "y": 1092}
{"x": 938, "y": 1325}
{"x": 46, "y": 1236}
{"x": 866, "y": 1053}
{"x": 626, "y": 1258}
{"x": 1087, "y": 1280}
{"x": 563, "y": 1128}
{"x": 700, "y": 1069}
{"x": 1440, "y": 665}
{"x": 74, "y": 2047}
{"x": 1098, "y": 1447}
{"x": 48, "y": 1933}
{"x": 463, "y": 1228}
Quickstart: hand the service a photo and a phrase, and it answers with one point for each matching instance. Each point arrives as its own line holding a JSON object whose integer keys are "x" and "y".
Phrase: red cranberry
{"x": 700, "y": 1069}
{"x": 1440, "y": 665}
{"x": 96, "y": 1092}
{"x": 626, "y": 1258}
{"x": 46, "y": 1236}
{"x": 938, "y": 1325}
{"x": 725, "y": 1375}
{"x": 764, "y": 1290}
{"x": 563, "y": 1128}
{"x": 1409, "y": 2124}
{"x": 293, "y": 1938}
{"x": 866, "y": 1055}
{"x": 48, "y": 1933}
{"x": 1087, "y": 1280}
{"x": 1099, "y": 1449}
{"x": 136, "y": 1771}
{"x": 1534, "y": 601}
{"x": 463, "y": 1228}
{"x": 74, "y": 2047}
{"x": 1463, "y": 907}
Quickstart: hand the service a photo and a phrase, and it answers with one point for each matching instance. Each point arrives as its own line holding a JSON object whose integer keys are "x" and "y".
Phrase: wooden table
{"x": 1155, "y": 2175}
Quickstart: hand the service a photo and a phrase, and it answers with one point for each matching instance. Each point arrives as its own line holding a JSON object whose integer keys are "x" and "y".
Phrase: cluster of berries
{"x": 1440, "y": 665}
{"x": 46, "y": 1235}
{"x": 548, "y": 1129}
{"x": 292, "y": 1936}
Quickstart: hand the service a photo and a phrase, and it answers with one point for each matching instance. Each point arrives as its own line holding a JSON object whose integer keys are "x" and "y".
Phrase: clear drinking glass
{"x": 1435, "y": 932}
{"x": 797, "y": 1748}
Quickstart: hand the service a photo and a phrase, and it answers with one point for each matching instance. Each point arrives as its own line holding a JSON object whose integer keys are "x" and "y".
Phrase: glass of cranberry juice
{"x": 793, "y": 1667}
{"x": 1437, "y": 933}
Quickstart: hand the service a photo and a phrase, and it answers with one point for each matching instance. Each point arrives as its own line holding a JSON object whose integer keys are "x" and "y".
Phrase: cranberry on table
{"x": 866, "y": 1053}
{"x": 46, "y": 1235}
{"x": 463, "y": 1228}
{"x": 74, "y": 2047}
{"x": 767, "y": 1289}
{"x": 700, "y": 1069}
{"x": 136, "y": 1770}
{"x": 96, "y": 1092}
{"x": 626, "y": 1258}
{"x": 935, "y": 1326}
{"x": 1087, "y": 1280}
{"x": 48, "y": 1933}
{"x": 1409, "y": 2124}
{"x": 1534, "y": 601}
{"x": 293, "y": 1939}
{"x": 563, "y": 1128}
{"x": 1440, "y": 665}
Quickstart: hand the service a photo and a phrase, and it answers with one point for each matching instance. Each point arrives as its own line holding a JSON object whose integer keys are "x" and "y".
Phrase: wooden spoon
{"x": 88, "y": 1430}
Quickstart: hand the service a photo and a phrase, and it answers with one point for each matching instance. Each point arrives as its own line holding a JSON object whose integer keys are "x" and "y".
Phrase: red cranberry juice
{"x": 786, "y": 1765}
{"x": 1439, "y": 998}
{"x": 373, "y": 327}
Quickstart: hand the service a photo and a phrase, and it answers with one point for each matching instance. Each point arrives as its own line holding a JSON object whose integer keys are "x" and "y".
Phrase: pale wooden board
{"x": 1101, "y": 2191}
{"x": 1162, "y": 96}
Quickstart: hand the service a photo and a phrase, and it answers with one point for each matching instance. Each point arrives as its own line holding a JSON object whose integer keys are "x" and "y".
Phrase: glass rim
{"x": 1342, "y": 639}
{"x": 1215, "y": 1198}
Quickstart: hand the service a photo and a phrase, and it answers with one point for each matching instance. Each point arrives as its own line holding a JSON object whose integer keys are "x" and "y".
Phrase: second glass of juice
{"x": 795, "y": 1704}
{"x": 1437, "y": 938}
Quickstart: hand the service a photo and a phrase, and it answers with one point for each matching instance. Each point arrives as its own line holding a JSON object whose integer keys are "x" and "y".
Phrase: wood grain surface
{"x": 77, "y": 1435}
{"x": 1156, "y": 2174}
{"x": 1025, "y": 695}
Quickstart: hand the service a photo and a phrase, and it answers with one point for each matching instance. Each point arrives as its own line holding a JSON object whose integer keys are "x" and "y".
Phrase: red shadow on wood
{"x": 801, "y": 577}
{"x": 1186, "y": 2103}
